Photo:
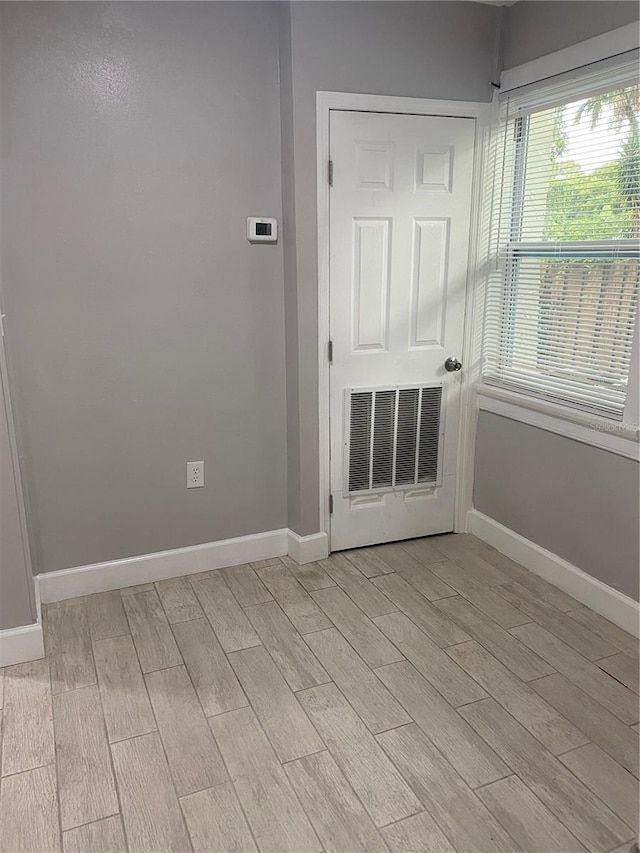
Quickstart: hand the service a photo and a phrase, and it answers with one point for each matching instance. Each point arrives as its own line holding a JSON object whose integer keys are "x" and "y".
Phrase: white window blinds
{"x": 561, "y": 302}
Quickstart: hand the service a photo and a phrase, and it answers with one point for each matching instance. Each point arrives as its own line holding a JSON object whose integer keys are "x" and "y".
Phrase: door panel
{"x": 399, "y": 230}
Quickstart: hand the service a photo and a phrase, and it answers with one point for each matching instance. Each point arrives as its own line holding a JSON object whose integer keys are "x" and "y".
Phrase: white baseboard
{"x": 608, "y": 602}
{"x": 25, "y": 643}
{"x": 100, "y": 577}
{"x": 18, "y": 645}
{"x": 308, "y": 549}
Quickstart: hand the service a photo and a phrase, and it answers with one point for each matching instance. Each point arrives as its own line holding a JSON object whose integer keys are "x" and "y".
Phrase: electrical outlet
{"x": 195, "y": 475}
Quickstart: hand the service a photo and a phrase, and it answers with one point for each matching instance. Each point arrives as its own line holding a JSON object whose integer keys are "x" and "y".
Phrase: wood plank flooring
{"x": 428, "y": 696}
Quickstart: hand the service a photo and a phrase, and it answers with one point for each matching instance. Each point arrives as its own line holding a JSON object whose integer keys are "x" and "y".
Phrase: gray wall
{"x": 537, "y": 27}
{"x": 143, "y": 329}
{"x": 15, "y": 592}
{"x": 577, "y": 501}
{"x": 430, "y": 50}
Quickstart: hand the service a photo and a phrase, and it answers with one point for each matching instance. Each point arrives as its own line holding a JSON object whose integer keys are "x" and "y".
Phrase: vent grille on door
{"x": 393, "y": 437}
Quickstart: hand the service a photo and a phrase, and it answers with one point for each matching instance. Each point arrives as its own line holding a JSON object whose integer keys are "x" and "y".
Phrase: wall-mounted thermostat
{"x": 261, "y": 229}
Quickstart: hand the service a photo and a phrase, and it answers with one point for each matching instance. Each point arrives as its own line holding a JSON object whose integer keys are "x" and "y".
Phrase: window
{"x": 562, "y": 301}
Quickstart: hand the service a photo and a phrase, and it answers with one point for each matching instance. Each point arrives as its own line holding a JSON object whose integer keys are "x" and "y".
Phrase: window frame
{"x": 519, "y": 398}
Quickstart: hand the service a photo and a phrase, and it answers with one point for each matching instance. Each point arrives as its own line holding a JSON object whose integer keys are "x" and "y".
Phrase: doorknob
{"x": 452, "y": 364}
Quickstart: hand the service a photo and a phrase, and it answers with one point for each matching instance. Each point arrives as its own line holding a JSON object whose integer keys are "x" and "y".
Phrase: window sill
{"x": 579, "y": 426}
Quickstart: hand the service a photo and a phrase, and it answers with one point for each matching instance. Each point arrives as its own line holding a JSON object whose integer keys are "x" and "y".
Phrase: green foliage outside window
{"x": 603, "y": 204}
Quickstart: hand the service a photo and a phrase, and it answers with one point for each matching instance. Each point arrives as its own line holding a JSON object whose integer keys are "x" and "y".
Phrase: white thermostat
{"x": 262, "y": 229}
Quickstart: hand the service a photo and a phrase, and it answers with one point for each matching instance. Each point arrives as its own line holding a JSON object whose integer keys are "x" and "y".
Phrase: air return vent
{"x": 393, "y": 437}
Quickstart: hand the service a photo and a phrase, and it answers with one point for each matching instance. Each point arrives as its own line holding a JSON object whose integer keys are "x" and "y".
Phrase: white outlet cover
{"x": 195, "y": 475}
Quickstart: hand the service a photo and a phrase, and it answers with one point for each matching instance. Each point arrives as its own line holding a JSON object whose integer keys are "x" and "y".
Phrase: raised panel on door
{"x": 399, "y": 230}
{"x": 370, "y": 283}
{"x": 429, "y": 282}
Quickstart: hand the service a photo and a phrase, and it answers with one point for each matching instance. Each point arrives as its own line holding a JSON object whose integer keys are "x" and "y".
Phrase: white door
{"x": 399, "y": 232}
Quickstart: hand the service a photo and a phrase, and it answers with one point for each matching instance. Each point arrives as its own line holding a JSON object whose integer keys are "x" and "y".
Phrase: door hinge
{"x": 330, "y": 352}
{"x": 330, "y": 504}
{"x": 330, "y": 173}
{"x": 2, "y": 316}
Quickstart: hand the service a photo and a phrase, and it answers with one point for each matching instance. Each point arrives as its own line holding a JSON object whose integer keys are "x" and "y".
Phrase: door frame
{"x": 478, "y": 249}
{"x": 8, "y": 415}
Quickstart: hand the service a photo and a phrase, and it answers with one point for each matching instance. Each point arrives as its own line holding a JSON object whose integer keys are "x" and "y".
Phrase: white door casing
{"x": 399, "y": 234}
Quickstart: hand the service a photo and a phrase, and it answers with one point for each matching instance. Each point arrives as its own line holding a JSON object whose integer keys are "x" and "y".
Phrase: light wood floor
{"x": 430, "y": 696}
